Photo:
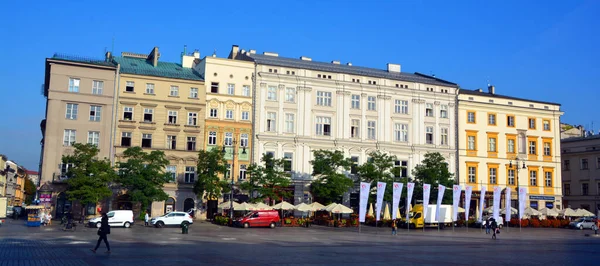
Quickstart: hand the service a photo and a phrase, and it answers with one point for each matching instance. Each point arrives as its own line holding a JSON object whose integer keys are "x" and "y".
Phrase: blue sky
{"x": 544, "y": 50}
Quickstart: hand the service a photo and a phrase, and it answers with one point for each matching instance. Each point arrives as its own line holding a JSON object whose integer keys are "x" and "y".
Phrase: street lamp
{"x": 517, "y": 169}
{"x": 224, "y": 151}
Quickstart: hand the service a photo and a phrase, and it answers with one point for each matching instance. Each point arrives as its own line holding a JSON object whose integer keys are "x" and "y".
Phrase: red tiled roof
{"x": 29, "y": 172}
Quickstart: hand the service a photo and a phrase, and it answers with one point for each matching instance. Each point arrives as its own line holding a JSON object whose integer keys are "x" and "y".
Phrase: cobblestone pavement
{"x": 209, "y": 244}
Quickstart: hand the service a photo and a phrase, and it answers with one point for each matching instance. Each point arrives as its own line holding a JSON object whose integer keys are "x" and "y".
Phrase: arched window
{"x": 188, "y": 204}
{"x": 169, "y": 205}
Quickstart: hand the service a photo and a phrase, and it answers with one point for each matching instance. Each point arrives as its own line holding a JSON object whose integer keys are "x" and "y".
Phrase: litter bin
{"x": 184, "y": 228}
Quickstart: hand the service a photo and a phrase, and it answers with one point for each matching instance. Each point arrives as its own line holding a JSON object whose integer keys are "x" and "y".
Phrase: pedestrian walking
{"x": 103, "y": 231}
{"x": 49, "y": 218}
{"x": 394, "y": 227}
{"x": 487, "y": 226}
{"x": 495, "y": 229}
{"x": 146, "y": 218}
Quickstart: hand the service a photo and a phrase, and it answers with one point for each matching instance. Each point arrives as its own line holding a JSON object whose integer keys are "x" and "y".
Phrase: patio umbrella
{"x": 339, "y": 208}
{"x": 227, "y": 204}
{"x": 261, "y": 206}
{"x": 244, "y": 207}
{"x": 512, "y": 211}
{"x": 549, "y": 212}
{"x": 370, "y": 212}
{"x": 303, "y": 207}
{"x": 583, "y": 213}
{"x": 284, "y": 205}
{"x": 317, "y": 206}
{"x": 531, "y": 212}
{"x": 488, "y": 209}
{"x": 330, "y": 206}
{"x": 386, "y": 213}
{"x": 567, "y": 212}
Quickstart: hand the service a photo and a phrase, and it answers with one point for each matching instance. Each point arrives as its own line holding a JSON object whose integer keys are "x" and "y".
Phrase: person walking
{"x": 487, "y": 226}
{"x": 103, "y": 231}
{"x": 146, "y": 218}
{"x": 394, "y": 227}
{"x": 495, "y": 229}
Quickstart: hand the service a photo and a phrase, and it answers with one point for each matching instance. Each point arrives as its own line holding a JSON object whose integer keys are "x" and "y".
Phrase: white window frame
{"x": 324, "y": 98}
{"x": 511, "y": 177}
{"x": 471, "y": 117}
{"x": 190, "y": 140}
{"x": 492, "y": 119}
{"x": 290, "y": 119}
{"x": 320, "y": 126}
{"x": 93, "y": 138}
{"x": 97, "y": 87}
{"x": 429, "y": 132}
{"x": 471, "y": 143}
{"x": 192, "y": 119}
{"x": 228, "y": 114}
{"x": 371, "y": 130}
{"x": 128, "y": 109}
{"x": 429, "y": 109}
{"x": 172, "y": 169}
{"x": 492, "y": 144}
{"x": 401, "y": 132}
{"x": 355, "y": 101}
{"x": 212, "y": 138}
{"x": 172, "y": 114}
{"x": 149, "y": 111}
{"x": 126, "y": 135}
{"x": 95, "y": 113}
{"x": 245, "y": 115}
{"x": 493, "y": 172}
{"x": 290, "y": 95}
{"x": 444, "y": 111}
{"x": 246, "y": 90}
{"x": 74, "y": 84}
{"x": 511, "y": 146}
{"x": 355, "y": 125}
{"x": 230, "y": 88}
{"x": 548, "y": 179}
{"x": 174, "y": 91}
{"x": 533, "y": 178}
{"x": 170, "y": 140}
{"x": 472, "y": 174}
{"x": 547, "y": 149}
{"x": 194, "y": 93}
{"x": 444, "y": 136}
{"x": 72, "y": 111}
{"x": 213, "y": 113}
{"x": 244, "y": 140}
{"x": 371, "y": 103}
{"x": 146, "y": 136}
{"x": 271, "y": 93}
{"x": 69, "y": 137}
{"x": 130, "y": 84}
{"x": 190, "y": 174}
{"x": 149, "y": 88}
{"x": 242, "y": 172}
{"x": 271, "y": 122}
{"x": 228, "y": 139}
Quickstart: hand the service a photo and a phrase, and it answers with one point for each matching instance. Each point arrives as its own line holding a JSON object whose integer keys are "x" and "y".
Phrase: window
{"x": 532, "y": 149}
{"x": 129, "y": 86}
{"x": 429, "y": 109}
{"x": 354, "y": 166}
{"x": 584, "y": 164}
{"x": 471, "y": 143}
{"x": 228, "y": 138}
{"x": 401, "y": 132}
{"x": 548, "y": 179}
{"x": 511, "y": 177}
{"x": 174, "y": 91}
{"x": 64, "y": 169}
{"x": 69, "y": 137}
{"x": 531, "y": 123}
{"x": 73, "y": 85}
{"x": 228, "y": 114}
{"x": 127, "y": 113}
{"x": 172, "y": 119}
{"x": 290, "y": 95}
{"x": 429, "y": 135}
{"x": 171, "y": 142}
{"x": 492, "y": 144}
{"x": 510, "y": 121}
{"x": 444, "y": 111}
{"x": 272, "y": 93}
{"x": 244, "y": 140}
{"x": 546, "y": 125}
{"x": 401, "y": 168}
{"x": 567, "y": 188}
{"x": 371, "y": 104}
{"x": 567, "y": 165}
{"x": 192, "y": 119}
{"x": 493, "y": 179}
{"x": 242, "y": 172}
{"x": 231, "y": 89}
{"x": 214, "y": 87}
{"x": 172, "y": 170}
{"x": 444, "y": 135}
{"x": 149, "y": 88}
{"x": 323, "y": 126}
{"x": 213, "y": 113}
{"x": 533, "y": 178}
{"x": 585, "y": 189}
{"x": 401, "y": 107}
{"x": 547, "y": 150}
{"x": 492, "y": 119}
{"x": 126, "y": 139}
{"x": 271, "y": 121}
{"x": 470, "y": 117}
{"x": 146, "y": 140}
{"x": 190, "y": 174}
{"x": 371, "y": 132}
{"x": 191, "y": 143}
{"x": 289, "y": 123}
{"x": 323, "y": 98}
{"x": 511, "y": 146}
{"x": 245, "y": 115}
{"x": 355, "y": 128}
{"x": 212, "y": 138}
{"x": 148, "y": 114}
{"x": 287, "y": 161}
{"x": 72, "y": 109}
{"x": 194, "y": 93}
{"x": 97, "y": 86}
{"x": 95, "y": 112}
{"x": 355, "y": 101}
{"x": 246, "y": 90}
{"x": 472, "y": 174}
{"x": 94, "y": 137}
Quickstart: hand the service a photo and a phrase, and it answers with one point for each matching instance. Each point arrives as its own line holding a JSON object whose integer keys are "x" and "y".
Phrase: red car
{"x": 259, "y": 219}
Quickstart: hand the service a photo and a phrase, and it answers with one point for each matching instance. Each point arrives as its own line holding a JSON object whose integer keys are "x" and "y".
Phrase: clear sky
{"x": 543, "y": 50}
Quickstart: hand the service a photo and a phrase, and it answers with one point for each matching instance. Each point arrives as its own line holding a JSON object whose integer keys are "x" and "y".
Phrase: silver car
{"x": 584, "y": 223}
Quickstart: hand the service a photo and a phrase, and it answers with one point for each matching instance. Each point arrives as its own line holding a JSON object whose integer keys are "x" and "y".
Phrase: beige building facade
{"x": 581, "y": 173}
{"x": 510, "y": 143}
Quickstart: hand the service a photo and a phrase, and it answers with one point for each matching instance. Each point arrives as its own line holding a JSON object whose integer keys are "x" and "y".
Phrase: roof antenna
{"x": 214, "y": 53}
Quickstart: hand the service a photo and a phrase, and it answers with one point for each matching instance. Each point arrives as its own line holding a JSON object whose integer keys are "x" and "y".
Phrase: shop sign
{"x": 45, "y": 196}
{"x": 541, "y": 198}
{"x": 549, "y": 205}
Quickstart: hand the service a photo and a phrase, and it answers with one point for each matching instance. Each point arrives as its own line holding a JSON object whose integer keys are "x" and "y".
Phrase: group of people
{"x": 46, "y": 218}
{"x": 491, "y": 227}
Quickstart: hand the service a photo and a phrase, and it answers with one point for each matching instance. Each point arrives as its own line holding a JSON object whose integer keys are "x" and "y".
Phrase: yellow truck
{"x": 418, "y": 220}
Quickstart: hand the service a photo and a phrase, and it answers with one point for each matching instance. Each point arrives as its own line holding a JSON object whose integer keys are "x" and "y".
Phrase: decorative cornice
{"x": 128, "y": 103}
{"x": 363, "y": 95}
{"x": 191, "y": 131}
{"x": 418, "y": 101}
{"x": 171, "y": 129}
{"x": 384, "y": 97}
{"x": 281, "y": 86}
{"x": 307, "y": 89}
{"x": 436, "y": 102}
{"x": 149, "y": 104}
{"x": 341, "y": 92}
{"x": 146, "y": 128}
{"x": 451, "y": 104}
{"x": 127, "y": 126}
{"x": 193, "y": 108}
{"x": 263, "y": 85}
{"x": 172, "y": 107}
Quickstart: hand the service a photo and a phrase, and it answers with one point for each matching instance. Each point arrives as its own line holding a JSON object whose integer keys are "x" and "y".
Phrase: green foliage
{"x": 269, "y": 180}
{"x": 29, "y": 191}
{"x": 329, "y": 184}
{"x": 143, "y": 175}
{"x": 89, "y": 178}
{"x": 433, "y": 170}
{"x": 211, "y": 165}
{"x": 379, "y": 168}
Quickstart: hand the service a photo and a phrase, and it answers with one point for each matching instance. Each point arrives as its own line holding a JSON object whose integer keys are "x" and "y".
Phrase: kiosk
{"x": 33, "y": 215}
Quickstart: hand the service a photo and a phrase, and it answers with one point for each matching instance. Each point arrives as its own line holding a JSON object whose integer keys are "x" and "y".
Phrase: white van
{"x": 115, "y": 218}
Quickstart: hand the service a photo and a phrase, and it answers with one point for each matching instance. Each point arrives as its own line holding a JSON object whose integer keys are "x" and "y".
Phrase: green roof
{"x": 140, "y": 66}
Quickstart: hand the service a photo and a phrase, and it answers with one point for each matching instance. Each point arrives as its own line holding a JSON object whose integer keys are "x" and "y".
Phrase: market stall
{"x": 34, "y": 218}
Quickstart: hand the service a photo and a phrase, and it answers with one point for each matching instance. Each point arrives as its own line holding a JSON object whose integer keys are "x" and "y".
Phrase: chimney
{"x": 196, "y": 54}
{"x": 491, "y": 89}
{"x": 393, "y": 68}
{"x": 108, "y": 56}
{"x": 271, "y": 54}
{"x": 349, "y": 63}
{"x": 335, "y": 62}
{"x": 234, "y": 51}
{"x": 304, "y": 58}
{"x": 153, "y": 56}
{"x": 479, "y": 90}
{"x": 252, "y": 51}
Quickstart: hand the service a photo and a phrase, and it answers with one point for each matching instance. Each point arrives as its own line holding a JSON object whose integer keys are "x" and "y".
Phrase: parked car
{"x": 9, "y": 212}
{"x": 585, "y": 223}
{"x": 172, "y": 219}
{"x": 259, "y": 219}
{"x": 122, "y": 218}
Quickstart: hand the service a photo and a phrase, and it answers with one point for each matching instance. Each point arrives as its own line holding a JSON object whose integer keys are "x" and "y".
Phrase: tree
{"x": 143, "y": 175}
{"x": 379, "y": 168}
{"x": 433, "y": 170}
{"x": 89, "y": 178}
{"x": 29, "y": 191}
{"x": 329, "y": 184}
{"x": 269, "y": 180}
{"x": 211, "y": 165}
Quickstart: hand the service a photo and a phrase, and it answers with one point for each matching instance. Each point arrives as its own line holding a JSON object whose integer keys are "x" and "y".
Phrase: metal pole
{"x": 231, "y": 191}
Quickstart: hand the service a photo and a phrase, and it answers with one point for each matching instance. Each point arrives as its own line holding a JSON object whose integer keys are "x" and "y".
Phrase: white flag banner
{"x": 364, "y": 201}
{"x": 410, "y": 187}
{"x": 379, "y": 203}
{"x": 426, "y": 190}
{"x": 468, "y": 193}
{"x": 507, "y": 207}
{"x": 522, "y": 195}
{"x": 481, "y": 204}
{"x": 397, "y": 192}
{"x": 455, "y": 200}
{"x": 496, "y": 206}
{"x": 441, "y": 190}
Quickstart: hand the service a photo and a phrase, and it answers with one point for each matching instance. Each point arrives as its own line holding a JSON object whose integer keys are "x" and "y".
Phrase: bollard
{"x": 184, "y": 228}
